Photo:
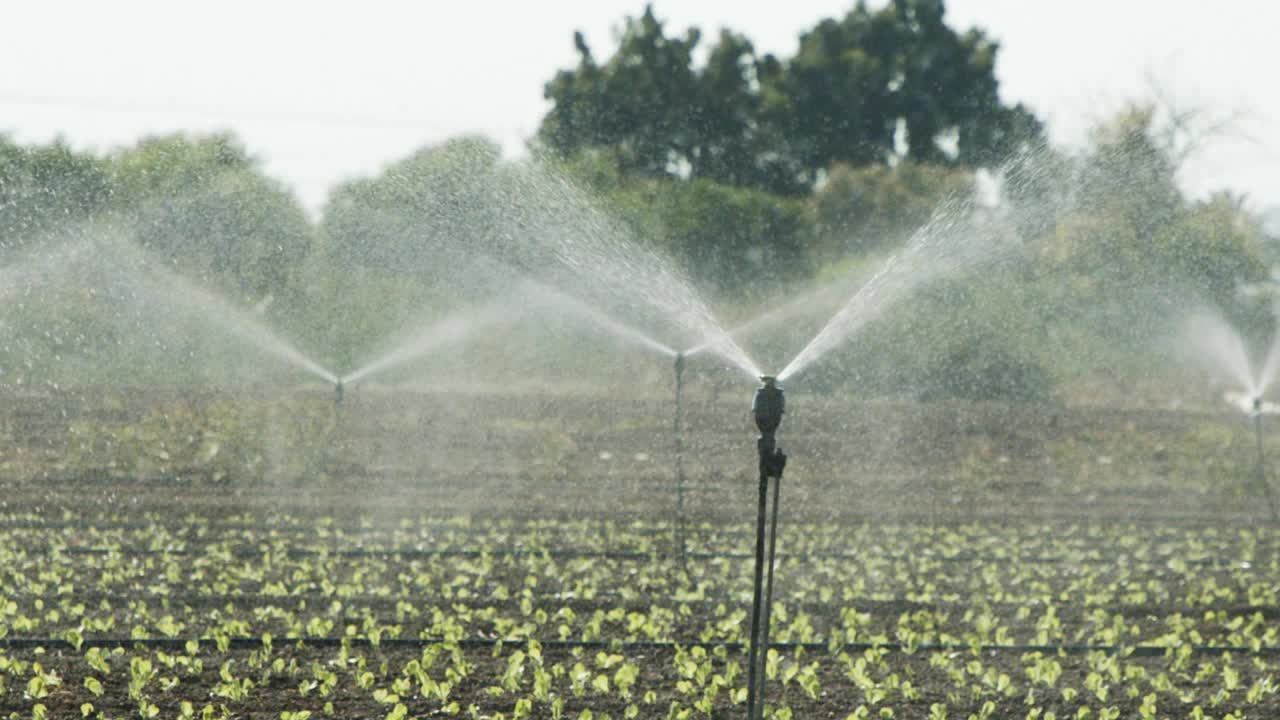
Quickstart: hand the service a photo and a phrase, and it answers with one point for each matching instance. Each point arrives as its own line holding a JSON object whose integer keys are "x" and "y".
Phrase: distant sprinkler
{"x": 1251, "y": 405}
{"x": 767, "y": 407}
{"x": 337, "y": 393}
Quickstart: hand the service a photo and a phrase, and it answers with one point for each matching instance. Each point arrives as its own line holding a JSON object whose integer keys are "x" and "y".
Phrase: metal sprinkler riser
{"x": 678, "y": 442}
{"x": 767, "y": 406}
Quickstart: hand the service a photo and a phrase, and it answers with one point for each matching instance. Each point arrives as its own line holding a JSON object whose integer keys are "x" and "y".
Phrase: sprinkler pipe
{"x": 767, "y": 407}
{"x": 1262, "y": 458}
{"x": 677, "y": 431}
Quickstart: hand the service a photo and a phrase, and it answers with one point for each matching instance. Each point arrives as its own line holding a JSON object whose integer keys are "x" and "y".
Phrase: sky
{"x": 321, "y": 92}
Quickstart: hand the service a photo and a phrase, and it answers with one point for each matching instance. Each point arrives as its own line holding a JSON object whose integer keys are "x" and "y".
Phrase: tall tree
{"x": 873, "y": 87}
{"x": 897, "y": 83}
{"x": 643, "y": 103}
{"x": 657, "y": 115}
{"x": 834, "y": 100}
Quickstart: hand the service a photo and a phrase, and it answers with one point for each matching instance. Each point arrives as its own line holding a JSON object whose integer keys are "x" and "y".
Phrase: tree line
{"x": 872, "y": 88}
{"x": 753, "y": 172}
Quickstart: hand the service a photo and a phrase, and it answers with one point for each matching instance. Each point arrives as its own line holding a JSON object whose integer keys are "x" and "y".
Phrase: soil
{"x": 424, "y": 480}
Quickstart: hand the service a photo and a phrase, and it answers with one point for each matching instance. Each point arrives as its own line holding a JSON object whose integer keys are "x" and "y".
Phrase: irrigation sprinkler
{"x": 337, "y": 394}
{"x": 1262, "y": 458}
{"x": 677, "y": 432}
{"x": 767, "y": 406}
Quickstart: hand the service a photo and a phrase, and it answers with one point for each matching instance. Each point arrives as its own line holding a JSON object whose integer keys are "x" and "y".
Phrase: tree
{"x": 44, "y": 187}
{"x": 1131, "y": 253}
{"x": 643, "y": 102}
{"x": 869, "y": 208}
{"x": 203, "y": 204}
{"x": 726, "y": 115}
{"x": 738, "y": 240}
{"x": 833, "y": 102}
{"x": 437, "y": 203}
{"x": 1128, "y": 173}
{"x": 871, "y": 88}
{"x": 659, "y": 116}
{"x": 897, "y": 83}
{"x": 402, "y": 246}
{"x": 1218, "y": 243}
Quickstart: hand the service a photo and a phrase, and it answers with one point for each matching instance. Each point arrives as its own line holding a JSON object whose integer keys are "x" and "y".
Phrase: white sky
{"x": 326, "y": 91}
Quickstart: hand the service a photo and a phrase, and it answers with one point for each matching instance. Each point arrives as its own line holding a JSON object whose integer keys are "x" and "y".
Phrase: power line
{"x": 289, "y": 117}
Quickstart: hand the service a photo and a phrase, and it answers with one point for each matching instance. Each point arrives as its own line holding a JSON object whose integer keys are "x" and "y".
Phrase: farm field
{"x": 518, "y": 555}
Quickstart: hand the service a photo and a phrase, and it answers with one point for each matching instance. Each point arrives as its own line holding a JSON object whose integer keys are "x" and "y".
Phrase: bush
{"x": 979, "y": 369}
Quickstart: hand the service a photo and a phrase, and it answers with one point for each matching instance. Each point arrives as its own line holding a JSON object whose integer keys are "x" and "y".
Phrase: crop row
{"x": 231, "y": 589}
{"x": 588, "y": 619}
{"x": 530, "y": 680}
{"x": 1014, "y": 540}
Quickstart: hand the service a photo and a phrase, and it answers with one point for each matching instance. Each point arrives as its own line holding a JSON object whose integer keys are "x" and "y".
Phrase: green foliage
{"x": 1218, "y": 245}
{"x": 751, "y": 120}
{"x": 963, "y": 338}
{"x": 855, "y": 81}
{"x": 979, "y": 368}
{"x": 411, "y": 244}
{"x": 642, "y": 102}
{"x": 419, "y": 212}
{"x": 1130, "y": 254}
{"x": 203, "y": 204}
{"x": 739, "y": 241}
{"x": 866, "y": 209}
{"x": 43, "y": 188}
{"x": 1133, "y": 226}
{"x": 711, "y": 164}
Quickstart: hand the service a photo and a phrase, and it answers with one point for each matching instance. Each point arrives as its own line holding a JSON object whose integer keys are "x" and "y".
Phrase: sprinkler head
{"x": 1257, "y": 404}
{"x": 337, "y": 393}
{"x": 768, "y": 405}
{"x": 679, "y": 363}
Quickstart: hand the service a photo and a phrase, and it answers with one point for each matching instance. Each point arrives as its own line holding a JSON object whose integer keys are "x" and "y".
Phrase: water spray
{"x": 767, "y": 406}
{"x": 678, "y": 436}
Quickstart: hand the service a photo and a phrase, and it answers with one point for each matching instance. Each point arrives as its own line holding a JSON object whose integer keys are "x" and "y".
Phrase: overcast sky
{"x": 326, "y": 91}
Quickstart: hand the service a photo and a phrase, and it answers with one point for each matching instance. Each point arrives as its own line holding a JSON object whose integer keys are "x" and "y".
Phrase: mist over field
{"x": 478, "y": 437}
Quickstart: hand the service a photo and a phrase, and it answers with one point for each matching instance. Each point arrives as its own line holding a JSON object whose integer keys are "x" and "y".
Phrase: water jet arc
{"x": 943, "y": 245}
{"x": 449, "y": 330}
{"x": 232, "y": 320}
{"x": 550, "y": 295}
{"x": 769, "y": 318}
